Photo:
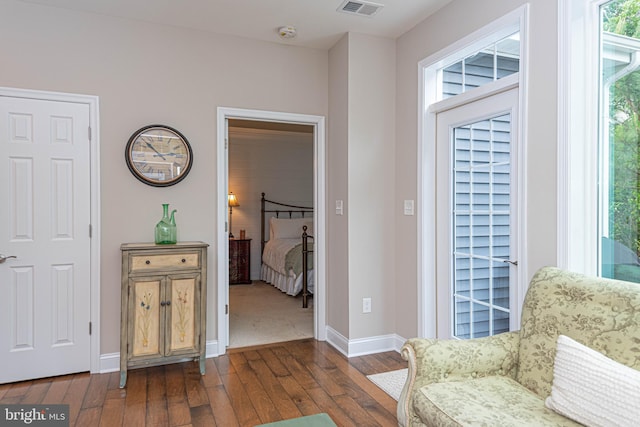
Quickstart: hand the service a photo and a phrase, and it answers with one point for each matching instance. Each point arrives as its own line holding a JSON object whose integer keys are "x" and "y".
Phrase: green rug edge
{"x": 317, "y": 420}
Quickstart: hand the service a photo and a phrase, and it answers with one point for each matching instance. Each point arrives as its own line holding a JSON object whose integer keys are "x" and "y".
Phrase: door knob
{"x": 3, "y": 258}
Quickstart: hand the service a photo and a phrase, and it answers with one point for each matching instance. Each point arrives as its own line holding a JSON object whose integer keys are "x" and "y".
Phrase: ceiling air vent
{"x": 362, "y": 8}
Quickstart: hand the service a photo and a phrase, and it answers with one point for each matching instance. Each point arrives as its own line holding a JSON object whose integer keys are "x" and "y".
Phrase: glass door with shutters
{"x": 476, "y": 213}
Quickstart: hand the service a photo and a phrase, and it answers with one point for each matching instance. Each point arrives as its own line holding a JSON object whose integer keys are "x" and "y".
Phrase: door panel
{"x": 183, "y": 315}
{"x": 476, "y": 215}
{"x": 147, "y": 317}
{"x": 45, "y": 211}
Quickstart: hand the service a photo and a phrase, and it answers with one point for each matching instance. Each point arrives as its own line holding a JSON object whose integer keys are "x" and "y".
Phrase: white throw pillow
{"x": 592, "y": 389}
{"x": 284, "y": 228}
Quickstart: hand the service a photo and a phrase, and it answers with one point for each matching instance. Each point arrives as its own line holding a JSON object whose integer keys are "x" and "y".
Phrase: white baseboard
{"x": 212, "y": 349}
{"x": 338, "y": 341}
{"x": 363, "y": 346}
{"x": 110, "y": 362}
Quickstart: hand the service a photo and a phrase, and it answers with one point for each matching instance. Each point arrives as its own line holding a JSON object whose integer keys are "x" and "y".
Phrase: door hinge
{"x": 89, "y": 129}
{"x": 226, "y": 309}
{"x": 226, "y": 144}
{"x": 90, "y": 231}
{"x": 89, "y": 328}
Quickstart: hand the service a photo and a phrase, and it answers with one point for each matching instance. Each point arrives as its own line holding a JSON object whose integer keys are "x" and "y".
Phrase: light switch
{"x": 339, "y": 210}
{"x": 408, "y": 207}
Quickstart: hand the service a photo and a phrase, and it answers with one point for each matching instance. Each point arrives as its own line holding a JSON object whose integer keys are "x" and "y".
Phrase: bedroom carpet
{"x": 261, "y": 314}
{"x": 391, "y": 382}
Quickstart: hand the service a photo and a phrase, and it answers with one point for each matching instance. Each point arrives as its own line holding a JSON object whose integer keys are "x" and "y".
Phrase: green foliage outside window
{"x": 623, "y": 18}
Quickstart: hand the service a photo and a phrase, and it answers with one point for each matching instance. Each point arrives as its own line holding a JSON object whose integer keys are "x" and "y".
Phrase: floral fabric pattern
{"x": 602, "y": 314}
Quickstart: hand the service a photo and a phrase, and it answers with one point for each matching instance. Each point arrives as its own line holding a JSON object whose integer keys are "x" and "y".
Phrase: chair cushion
{"x": 490, "y": 401}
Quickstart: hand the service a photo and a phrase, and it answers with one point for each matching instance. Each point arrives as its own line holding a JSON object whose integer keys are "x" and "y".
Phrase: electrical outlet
{"x": 366, "y": 305}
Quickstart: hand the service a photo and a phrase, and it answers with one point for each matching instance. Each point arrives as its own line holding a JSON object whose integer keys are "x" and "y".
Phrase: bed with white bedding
{"x": 288, "y": 251}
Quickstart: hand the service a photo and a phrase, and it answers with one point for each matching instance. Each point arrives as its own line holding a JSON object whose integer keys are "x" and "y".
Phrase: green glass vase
{"x": 166, "y": 233}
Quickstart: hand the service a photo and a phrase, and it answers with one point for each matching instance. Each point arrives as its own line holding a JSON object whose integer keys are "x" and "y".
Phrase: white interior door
{"x": 476, "y": 246}
{"x": 225, "y": 283}
{"x": 45, "y": 217}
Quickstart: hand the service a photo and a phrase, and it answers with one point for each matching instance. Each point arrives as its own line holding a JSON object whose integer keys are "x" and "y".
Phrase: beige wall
{"x": 453, "y": 22}
{"x": 361, "y": 147}
{"x": 337, "y": 188}
{"x": 280, "y": 164}
{"x": 371, "y": 184}
{"x": 146, "y": 74}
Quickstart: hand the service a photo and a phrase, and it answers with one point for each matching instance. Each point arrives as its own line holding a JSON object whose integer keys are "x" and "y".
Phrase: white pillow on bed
{"x": 285, "y": 228}
{"x": 592, "y": 389}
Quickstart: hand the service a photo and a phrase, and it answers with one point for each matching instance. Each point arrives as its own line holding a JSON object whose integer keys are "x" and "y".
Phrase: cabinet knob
{"x": 184, "y": 260}
{"x": 168, "y": 303}
{"x": 147, "y": 262}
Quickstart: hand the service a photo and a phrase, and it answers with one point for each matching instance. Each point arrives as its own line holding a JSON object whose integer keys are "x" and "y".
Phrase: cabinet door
{"x": 244, "y": 250}
{"x": 239, "y": 261}
{"x": 146, "y": 317}
{"x": 182, "y": 313}
{"x": 233, "y": 261}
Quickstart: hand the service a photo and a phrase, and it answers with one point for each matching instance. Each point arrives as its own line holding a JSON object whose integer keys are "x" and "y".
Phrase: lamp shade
{"x": 233, "y": 200}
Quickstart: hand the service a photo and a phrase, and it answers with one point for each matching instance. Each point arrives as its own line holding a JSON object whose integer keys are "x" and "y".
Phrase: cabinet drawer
{"x": 173, "y": 261}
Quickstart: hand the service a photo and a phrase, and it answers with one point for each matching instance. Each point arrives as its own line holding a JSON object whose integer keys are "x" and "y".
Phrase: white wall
{"x": 118, "y": 60}
{"x": 453, "y": 22}
{"x": 278, "y": 163}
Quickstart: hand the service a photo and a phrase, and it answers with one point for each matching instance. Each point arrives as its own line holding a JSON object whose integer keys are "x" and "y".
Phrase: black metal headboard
{"x": 285, "y": 209}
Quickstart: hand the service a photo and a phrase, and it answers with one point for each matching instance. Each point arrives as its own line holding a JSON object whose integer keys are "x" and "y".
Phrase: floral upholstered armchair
{"x": 514, "y": 378}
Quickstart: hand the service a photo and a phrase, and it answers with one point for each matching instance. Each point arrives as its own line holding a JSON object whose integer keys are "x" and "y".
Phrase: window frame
{"x": 580, "y": 167}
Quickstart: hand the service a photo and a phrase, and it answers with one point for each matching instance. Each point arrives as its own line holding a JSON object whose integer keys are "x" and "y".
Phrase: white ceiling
{"x": 318, "y": 23}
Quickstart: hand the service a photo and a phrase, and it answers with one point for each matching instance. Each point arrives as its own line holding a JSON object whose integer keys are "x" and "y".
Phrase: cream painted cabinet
{"x": 163, "y": 312}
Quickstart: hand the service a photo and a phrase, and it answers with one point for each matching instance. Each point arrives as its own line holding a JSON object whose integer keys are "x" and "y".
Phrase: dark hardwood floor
{"x": 245, "y": 387}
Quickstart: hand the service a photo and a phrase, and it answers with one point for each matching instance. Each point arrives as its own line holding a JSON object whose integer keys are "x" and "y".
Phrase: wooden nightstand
{"x": 239, "y": 261}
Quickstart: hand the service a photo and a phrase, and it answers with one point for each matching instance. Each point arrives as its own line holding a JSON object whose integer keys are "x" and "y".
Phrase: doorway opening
{"x": 275, "y": 160}
{"x": 232, "y": 217}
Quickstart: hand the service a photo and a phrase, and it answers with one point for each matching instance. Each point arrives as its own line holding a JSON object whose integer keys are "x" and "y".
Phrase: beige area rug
{"x": 391, "y": 382}
{"x": 261, "y": 314}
